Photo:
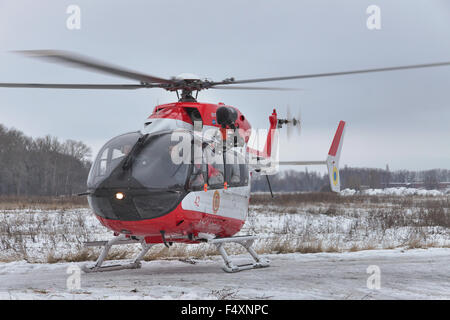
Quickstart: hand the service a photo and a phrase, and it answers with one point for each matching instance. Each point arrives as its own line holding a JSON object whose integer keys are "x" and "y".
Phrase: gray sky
{"x": 401, "y": 118}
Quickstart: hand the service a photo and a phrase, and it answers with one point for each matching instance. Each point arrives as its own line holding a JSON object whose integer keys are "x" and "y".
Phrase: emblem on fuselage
{"x": 335, "y": 176}
{"x": 216, "y": 201}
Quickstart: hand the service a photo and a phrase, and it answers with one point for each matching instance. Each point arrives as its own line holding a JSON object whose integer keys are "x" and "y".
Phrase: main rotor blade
{"x": 73, "y": 86}
{"x": 75, "y": 60}
{"x": 254, "y": 88}
{"x": 332, "y": 74}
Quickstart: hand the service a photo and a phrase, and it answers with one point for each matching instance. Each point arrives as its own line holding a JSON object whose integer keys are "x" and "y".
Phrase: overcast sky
{"x": 398, "y": 118}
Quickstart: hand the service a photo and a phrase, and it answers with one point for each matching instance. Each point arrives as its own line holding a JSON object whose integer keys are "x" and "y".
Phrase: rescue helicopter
{"x": 138, "y": 187}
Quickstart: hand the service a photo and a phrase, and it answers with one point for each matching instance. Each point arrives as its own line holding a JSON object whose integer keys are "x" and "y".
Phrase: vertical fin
{"x": 333, "y": 158}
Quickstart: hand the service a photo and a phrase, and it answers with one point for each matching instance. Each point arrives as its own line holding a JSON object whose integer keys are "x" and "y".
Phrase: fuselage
{"x": 158, "y": 196}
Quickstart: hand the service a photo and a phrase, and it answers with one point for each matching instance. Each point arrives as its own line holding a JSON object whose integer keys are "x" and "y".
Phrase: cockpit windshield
{"x": 154, "y": 167}
{"x": 151, "y": 166}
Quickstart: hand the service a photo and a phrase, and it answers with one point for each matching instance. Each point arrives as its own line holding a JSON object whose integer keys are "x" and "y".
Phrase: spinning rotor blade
{"x": 255, "y": 88}
{"x": 289, "y": 126}
{"x": 292, "y": 122}
{"x": 75, "y": 60}
{"x": 331, "y": 74}
{"x": 73, "y": 86}
{"x": 298, "y": 121}
{"x": 186, "y": 85}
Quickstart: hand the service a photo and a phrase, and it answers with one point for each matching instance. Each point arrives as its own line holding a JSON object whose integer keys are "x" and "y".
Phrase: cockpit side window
{"x": 215, "y": 175}
{"x": 196, "y": 181}
{"x": 237, "y": 171}
{"x": 111, "y": 154}
{"x": 213, "y": 167}
{"x": 209, "y": 169}
{"x": 102, "y": 167}
{"x": 244, "y": 175}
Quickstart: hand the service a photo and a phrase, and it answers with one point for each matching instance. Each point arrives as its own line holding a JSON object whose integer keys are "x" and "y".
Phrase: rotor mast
{"x": 186, "y": 96}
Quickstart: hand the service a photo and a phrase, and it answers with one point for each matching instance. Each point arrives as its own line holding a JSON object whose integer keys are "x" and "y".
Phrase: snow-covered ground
{"x": 404, "y": 274}
{"x": 58, "y": 235}
{"x": 398, "y": 191}
{"x": 318, "y": 250}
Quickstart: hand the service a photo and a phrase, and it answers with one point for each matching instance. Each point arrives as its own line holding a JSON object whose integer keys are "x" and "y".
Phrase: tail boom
{"x": 332, "y": 161}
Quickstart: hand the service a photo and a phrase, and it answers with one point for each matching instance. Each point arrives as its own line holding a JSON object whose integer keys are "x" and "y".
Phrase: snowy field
{"x": 404, "y": 274}
{"x": 400, "y": 191}
{"x": 320, "y": 247}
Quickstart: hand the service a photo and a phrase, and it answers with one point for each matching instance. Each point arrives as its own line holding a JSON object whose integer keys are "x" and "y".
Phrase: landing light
{"x": 120, "y": 196}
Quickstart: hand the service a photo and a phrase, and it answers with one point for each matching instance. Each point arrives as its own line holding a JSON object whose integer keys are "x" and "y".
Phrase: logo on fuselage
{"x": 216, "y": 201}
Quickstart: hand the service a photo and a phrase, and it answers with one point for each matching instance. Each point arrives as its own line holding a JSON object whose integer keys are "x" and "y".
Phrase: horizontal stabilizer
{"x": 332, "y": 161}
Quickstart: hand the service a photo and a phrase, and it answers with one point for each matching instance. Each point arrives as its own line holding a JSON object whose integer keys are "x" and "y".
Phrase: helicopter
{"x": 185, "y": 176}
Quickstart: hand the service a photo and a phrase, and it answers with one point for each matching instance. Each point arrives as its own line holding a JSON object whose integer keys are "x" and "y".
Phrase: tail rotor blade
{"x": 299, "y": 122}
{"x": 289, "y": 124}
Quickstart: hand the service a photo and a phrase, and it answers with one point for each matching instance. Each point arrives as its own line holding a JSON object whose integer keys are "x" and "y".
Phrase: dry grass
{"x": 300, "y": 223}
{"x": 294, "y": 245}
{"x": 42, "y": 203}
{"x": 296, "y": 199}
{"x": 41, "y": 291}
{"x": 82, "y": 255}
{"x": 179, "y": 251}
{"x": 376, "y": 222}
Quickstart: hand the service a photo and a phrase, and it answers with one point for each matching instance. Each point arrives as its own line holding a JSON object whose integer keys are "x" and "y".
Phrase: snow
{"x": 405, "y": 274}
{"x": 310, "y": 245}
{"x": 399, "y": 191}
{"x": 58, "y": 235}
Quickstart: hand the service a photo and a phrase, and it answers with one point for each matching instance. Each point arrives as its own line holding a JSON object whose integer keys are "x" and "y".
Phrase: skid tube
{"x": 122, "y": 239}
{"x": 246, "y": 242}
{"x": 229, "y": 266}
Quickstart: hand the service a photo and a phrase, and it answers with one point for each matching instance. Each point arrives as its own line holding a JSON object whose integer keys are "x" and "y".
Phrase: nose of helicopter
{"x": 128, "y": 183}
{"x": 128, "y": 200}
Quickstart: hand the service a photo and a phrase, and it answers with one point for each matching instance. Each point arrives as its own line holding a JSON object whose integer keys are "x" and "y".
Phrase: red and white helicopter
{"x": 139, "y": 189}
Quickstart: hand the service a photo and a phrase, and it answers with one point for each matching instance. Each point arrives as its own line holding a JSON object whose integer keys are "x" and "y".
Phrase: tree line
{"x": 47, "y": 167}
{"x": 41, "y": 166}
{"x": 353, "y": 178}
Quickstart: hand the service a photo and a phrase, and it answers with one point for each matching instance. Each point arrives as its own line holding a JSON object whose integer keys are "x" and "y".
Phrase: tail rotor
{"x": 292, "y": 123}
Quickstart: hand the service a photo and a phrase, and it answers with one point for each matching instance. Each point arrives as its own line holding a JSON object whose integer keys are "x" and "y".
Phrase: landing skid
{"x": 97, "y": 267}
{"x": 246, "y": 242}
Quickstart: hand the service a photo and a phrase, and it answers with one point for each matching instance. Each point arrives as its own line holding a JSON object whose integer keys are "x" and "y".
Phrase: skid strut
{"x": 246, "y": 242}
{"x": 97, "y": 267}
